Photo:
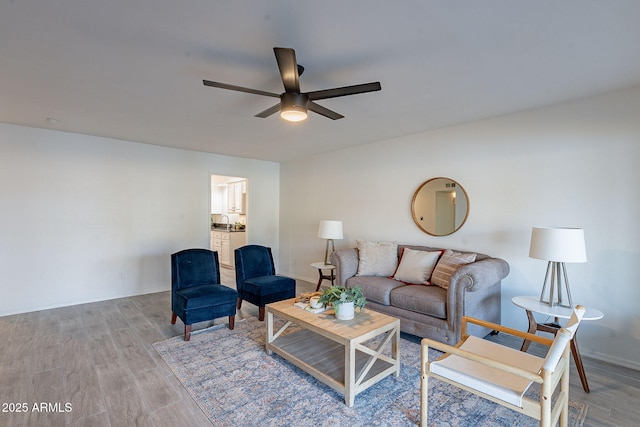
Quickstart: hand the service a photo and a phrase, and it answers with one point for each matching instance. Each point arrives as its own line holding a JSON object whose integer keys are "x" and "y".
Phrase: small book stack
{"x": 305, "y": 306}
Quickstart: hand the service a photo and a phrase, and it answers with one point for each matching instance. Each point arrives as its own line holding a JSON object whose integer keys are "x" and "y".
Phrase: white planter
{"x": 344, "y": 311}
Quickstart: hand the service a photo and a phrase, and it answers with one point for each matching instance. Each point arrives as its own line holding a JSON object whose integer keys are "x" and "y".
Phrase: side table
{"x": 533, "y": 305}
{"x": 322, "y": 266}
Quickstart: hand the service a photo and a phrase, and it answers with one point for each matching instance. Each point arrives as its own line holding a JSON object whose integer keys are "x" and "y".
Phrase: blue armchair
{"x": 256, "y": 278}
{"x": 196, "y": 292}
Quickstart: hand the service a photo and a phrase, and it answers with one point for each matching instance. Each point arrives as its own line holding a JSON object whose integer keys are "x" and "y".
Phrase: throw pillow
{"x": 377, "y": 258}
{"x": 448, "y": 264}
{"x": 416, "y": 266}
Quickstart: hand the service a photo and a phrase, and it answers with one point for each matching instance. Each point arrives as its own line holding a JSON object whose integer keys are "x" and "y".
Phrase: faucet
{"x": 228, "y": 221}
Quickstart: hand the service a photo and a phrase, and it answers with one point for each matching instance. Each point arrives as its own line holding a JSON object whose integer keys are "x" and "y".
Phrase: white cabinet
{"x": 225, "y": 254}
{"x": 216, "y": 242}
{"x": 236, "y": 192}
{"x": 220, "y": 244}
{"x": 225, "y": 244}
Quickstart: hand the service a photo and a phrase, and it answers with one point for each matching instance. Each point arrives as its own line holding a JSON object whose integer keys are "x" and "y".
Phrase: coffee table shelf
{"x": 332, "y": 350}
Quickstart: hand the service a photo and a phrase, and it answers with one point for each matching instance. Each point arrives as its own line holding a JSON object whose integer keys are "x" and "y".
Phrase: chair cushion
{"x": 266, "y": 285}
{"x": 205, "y": 296}
{"x": 430, "y": 300}
{"x": 494, "y": 382}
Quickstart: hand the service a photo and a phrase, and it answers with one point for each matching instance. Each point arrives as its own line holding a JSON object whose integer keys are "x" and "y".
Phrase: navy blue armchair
{"x": 196, "y": 292}
{"x": 256, "y": 278}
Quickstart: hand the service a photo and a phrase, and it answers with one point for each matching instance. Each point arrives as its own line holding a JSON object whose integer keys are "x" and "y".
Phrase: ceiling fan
{"x": 294, "y": 104}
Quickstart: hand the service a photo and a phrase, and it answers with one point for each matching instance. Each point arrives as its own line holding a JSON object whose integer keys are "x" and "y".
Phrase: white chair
{"x": 502, "y": 374}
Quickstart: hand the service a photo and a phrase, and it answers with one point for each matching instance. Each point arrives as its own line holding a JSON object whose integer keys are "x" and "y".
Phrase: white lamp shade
{"x": 558, "y": 244}
{"x": 330, "y": 229}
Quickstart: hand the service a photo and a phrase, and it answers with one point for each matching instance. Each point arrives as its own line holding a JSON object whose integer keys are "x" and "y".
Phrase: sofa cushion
{"x": 375, "y": 288}
{"x": 377, "y": 258}
{"x": 429, "y": 300}
{"x": 416, "y": 266}
{"x": 448, "y": 264}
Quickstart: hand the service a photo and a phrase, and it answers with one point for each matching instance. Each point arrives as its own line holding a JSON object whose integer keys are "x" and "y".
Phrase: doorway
{"x": 445, "y": 212}
{"x": 229, "y": 219}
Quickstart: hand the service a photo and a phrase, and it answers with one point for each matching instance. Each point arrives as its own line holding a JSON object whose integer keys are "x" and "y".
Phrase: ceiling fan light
{"x": 293, "y": 114}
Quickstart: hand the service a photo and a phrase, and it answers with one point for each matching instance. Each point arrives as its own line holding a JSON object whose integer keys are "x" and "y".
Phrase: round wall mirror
{"x": 440, "y": 206}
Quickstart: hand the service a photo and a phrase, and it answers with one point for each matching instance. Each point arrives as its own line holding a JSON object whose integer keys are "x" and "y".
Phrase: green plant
{"x": 336, "y": 295}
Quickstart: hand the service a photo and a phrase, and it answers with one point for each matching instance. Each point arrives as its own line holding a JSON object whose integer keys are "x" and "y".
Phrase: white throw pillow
{"x": 377, "y": 258}
{"x": 450, "y": 262}
{"x": 416, "y": 266}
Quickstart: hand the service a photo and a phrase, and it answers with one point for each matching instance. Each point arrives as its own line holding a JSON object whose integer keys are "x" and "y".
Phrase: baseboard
{"x": 631, "y": 364}
{"x": 81, "y": 301}
{"x": 312, "y": 280}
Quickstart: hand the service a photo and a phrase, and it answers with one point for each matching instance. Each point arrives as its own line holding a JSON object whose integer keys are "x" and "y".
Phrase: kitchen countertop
{"x": 227, "y": 230}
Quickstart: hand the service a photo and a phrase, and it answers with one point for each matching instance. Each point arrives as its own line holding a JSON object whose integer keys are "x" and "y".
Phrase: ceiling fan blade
{"x": 269, "y": 111}
{"x": 344, "y": 91}
{"x": 239, "y": 88}
{"x": 286, "y": 58}
{"x": 323, "y": 111}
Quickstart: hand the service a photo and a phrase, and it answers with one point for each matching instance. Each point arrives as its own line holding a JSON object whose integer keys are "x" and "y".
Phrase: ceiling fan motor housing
{"x": 293, "y": 106}
{"x": 294, "y": 100}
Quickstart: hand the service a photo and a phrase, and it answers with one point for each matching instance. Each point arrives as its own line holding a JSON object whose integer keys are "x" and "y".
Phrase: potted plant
{"x": 344, "y": 300}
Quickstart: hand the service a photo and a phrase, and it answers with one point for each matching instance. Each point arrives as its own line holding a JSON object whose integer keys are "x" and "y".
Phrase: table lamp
{"x": 329, "y": 230}
{"x": 557, "y": 245}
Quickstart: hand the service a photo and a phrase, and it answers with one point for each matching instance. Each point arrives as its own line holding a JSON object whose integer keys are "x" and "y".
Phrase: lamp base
{"x": 555, "y": 297}
{"x": 326, "y": 251}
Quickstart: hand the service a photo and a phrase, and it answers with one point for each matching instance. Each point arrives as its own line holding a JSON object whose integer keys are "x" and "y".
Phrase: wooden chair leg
{"x": 546, "y": 394}
{"x": 424, "y": 385}
{"x": 173, "y": 318}
{"x": 261, "y": 314}
{"x": 239, "y": 304}
{"x": 187, "y": 332}
{"x": 564, "y": 390}
{"x": 232, "y": 322}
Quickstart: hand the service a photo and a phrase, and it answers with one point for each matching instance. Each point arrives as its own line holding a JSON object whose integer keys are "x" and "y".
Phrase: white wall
{"x": 574, "y": 164}
{"x": 85, "y": 218}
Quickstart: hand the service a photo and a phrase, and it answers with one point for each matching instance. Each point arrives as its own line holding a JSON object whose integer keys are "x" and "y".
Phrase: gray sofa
{"x": 431, "y": 311}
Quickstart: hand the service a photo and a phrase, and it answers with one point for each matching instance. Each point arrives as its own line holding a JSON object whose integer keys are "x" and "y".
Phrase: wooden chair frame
{"x": 541, "y": 410}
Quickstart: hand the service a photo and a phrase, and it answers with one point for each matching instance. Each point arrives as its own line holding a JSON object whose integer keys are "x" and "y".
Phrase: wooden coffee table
{"x": 332, "y": 350}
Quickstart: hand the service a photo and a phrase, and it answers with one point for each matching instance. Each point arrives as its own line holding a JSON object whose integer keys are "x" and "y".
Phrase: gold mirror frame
{"x": 438, "y": 206}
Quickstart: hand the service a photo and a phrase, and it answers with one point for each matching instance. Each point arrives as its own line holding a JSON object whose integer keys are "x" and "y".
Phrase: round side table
{"x": 322, "y": 266}
{"x": 533, "y": 305}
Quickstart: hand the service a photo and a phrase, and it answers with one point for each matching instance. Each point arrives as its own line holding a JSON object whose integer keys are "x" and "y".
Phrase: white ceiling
{"x": 133, "y": 70}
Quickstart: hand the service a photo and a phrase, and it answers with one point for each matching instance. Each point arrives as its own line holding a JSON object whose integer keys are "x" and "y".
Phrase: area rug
{"x": 236, "y": 383}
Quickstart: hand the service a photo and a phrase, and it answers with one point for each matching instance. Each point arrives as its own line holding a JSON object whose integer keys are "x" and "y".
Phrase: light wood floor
{"x": 98, "y": 357}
